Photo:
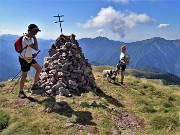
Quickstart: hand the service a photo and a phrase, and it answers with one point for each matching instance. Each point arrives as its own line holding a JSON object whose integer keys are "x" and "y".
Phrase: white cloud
{"x": 103, "y": 18}
{"x": 163, "y": 25}
{"x": 118, "y": 21}
{"x": 100, "y": 31}
{"x": 121, "y": 1}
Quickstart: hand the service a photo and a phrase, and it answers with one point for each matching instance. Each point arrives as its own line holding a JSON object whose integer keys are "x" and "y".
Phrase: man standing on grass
{"x": 26, "y": 58}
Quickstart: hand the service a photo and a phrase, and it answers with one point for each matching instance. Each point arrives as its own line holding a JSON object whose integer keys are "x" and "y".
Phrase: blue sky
{"x": 120, "y": 20}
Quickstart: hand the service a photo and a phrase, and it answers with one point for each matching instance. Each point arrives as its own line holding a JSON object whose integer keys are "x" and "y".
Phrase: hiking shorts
{"x": 25, "y": 66}
{"x": 122, "y": 67}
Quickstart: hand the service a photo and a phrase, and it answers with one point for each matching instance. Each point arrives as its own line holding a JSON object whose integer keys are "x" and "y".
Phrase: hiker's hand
{"x": 34, "y": 55}
{"x": 123, "y": 63}
{"x": 33, "y": 36}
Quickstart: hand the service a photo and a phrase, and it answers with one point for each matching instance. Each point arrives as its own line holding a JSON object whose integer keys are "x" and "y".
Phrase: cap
{"x": 73, "y": 35}
{"x": 33, "y": 26}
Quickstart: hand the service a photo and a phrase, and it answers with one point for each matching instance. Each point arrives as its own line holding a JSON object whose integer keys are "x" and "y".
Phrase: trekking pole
{"x": 36, "y": 54}
{"x": 16, "y": 75}
{"x": 16, "y": 83}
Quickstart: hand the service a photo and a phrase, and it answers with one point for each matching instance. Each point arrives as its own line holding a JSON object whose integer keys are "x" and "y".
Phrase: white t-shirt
{"x": 123, "y": 56}
{"x": 27, "y": 52}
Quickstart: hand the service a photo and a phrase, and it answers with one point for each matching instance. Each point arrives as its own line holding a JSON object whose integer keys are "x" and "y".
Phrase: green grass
{"x": 170, "y": 122}
{"x": 4, "y": 119}
{"x": 156, "y": 105}
{"x": 101, "y": 68}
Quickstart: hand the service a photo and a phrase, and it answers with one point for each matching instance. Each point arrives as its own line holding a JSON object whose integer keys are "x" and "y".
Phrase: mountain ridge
{"x": 13, "y": 37}
{"x": 156, "y": 52}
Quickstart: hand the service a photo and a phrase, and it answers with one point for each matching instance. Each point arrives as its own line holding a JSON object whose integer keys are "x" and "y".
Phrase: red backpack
{"x": 18, "y": 45}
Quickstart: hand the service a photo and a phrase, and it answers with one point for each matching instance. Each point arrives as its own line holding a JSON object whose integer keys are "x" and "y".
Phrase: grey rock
{"x": 49, "y": 92}
{"x": 64, "y": 92}
{"x": 66, "y": 71}
{"x": 55, "y": 55}
{"x": 54, "y": 88}
{"x": 47, "y": 87}
{"x": 72, "y": 84}
{"x": 46, "y": 63}
{"x": 64, "y": 54}
{"x": 43, "y": 76}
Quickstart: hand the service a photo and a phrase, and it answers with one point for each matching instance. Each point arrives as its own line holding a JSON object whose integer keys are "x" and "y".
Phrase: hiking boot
{"x": 22, "y": 94}
{"x": 35, "y": 87}
{"x": 122, "y": 83}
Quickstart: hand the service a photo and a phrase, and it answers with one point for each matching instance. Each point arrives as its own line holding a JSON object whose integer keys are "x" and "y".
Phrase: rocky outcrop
{"x": 66, "y": 71}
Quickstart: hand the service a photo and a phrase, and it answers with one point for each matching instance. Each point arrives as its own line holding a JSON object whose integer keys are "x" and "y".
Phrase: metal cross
{"x": 59, "y": 21}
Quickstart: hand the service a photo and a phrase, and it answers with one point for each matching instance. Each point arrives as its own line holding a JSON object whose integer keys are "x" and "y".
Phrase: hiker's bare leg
{"x": 37, "y": 73}
{"x": 122, "y": 76}
{"x": 22, "y": 81}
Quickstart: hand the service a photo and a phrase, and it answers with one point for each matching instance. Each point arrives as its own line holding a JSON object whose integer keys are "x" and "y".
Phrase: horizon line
{"x": 97, "y": 37}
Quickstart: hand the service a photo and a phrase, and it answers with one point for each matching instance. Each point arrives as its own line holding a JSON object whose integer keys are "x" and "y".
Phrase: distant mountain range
{"x": 155, "y": 53}
{"x": 150, "y": 72}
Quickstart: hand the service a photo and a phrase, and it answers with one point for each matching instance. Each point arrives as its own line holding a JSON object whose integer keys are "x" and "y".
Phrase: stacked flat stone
{"x": 66, "y": 72}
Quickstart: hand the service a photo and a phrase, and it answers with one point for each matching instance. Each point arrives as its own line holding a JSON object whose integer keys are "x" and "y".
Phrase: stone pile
{"x": 66, "y": 72}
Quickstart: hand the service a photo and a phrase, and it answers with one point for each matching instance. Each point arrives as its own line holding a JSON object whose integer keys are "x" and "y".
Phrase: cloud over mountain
{"x": 100, "y": 31}
{"x": 119, "y": 22}
{"x": 163, "y": 25}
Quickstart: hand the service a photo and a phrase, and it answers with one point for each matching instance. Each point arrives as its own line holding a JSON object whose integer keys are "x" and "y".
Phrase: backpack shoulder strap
{"x": 25, "y": 46}
{"x": 22, "y": 41}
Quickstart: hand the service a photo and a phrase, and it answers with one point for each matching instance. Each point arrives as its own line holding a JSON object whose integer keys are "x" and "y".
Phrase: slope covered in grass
{"x": 139, "y": 107}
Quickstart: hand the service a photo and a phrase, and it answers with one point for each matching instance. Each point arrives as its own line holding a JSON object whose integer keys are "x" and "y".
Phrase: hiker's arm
{"x": 35, "y": 45}
{"x": 123, "y": 63}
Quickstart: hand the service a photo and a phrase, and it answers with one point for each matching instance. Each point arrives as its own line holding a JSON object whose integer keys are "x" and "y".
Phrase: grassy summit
{"x": 139, "y": 107}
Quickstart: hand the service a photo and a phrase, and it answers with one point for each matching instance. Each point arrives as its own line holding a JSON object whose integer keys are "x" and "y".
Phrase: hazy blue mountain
{"x": 9, "y": 67}
{"x": 148, "y": 68}
{"x": 155, "y": 73}
{"x": 101, "y": 50}
{"x": 9, "y": 37}
{"x": 155, "y": 52}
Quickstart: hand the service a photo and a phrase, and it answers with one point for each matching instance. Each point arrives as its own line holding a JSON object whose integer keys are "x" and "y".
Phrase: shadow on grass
{"x": 32, "y": 99}
{"x": 63, "y": 108}
{"x": 83, "y": 117}
{"x": 110, "y": 99}
{"x": 117, "y": 84}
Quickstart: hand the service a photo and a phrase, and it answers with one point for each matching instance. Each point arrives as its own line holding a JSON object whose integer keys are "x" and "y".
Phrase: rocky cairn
{"x": 66, "y": 72}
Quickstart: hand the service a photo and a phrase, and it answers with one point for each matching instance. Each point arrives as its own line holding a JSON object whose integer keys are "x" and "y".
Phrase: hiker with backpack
{"x": 26, "y": 57}
{"x": 123, "y": 61}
